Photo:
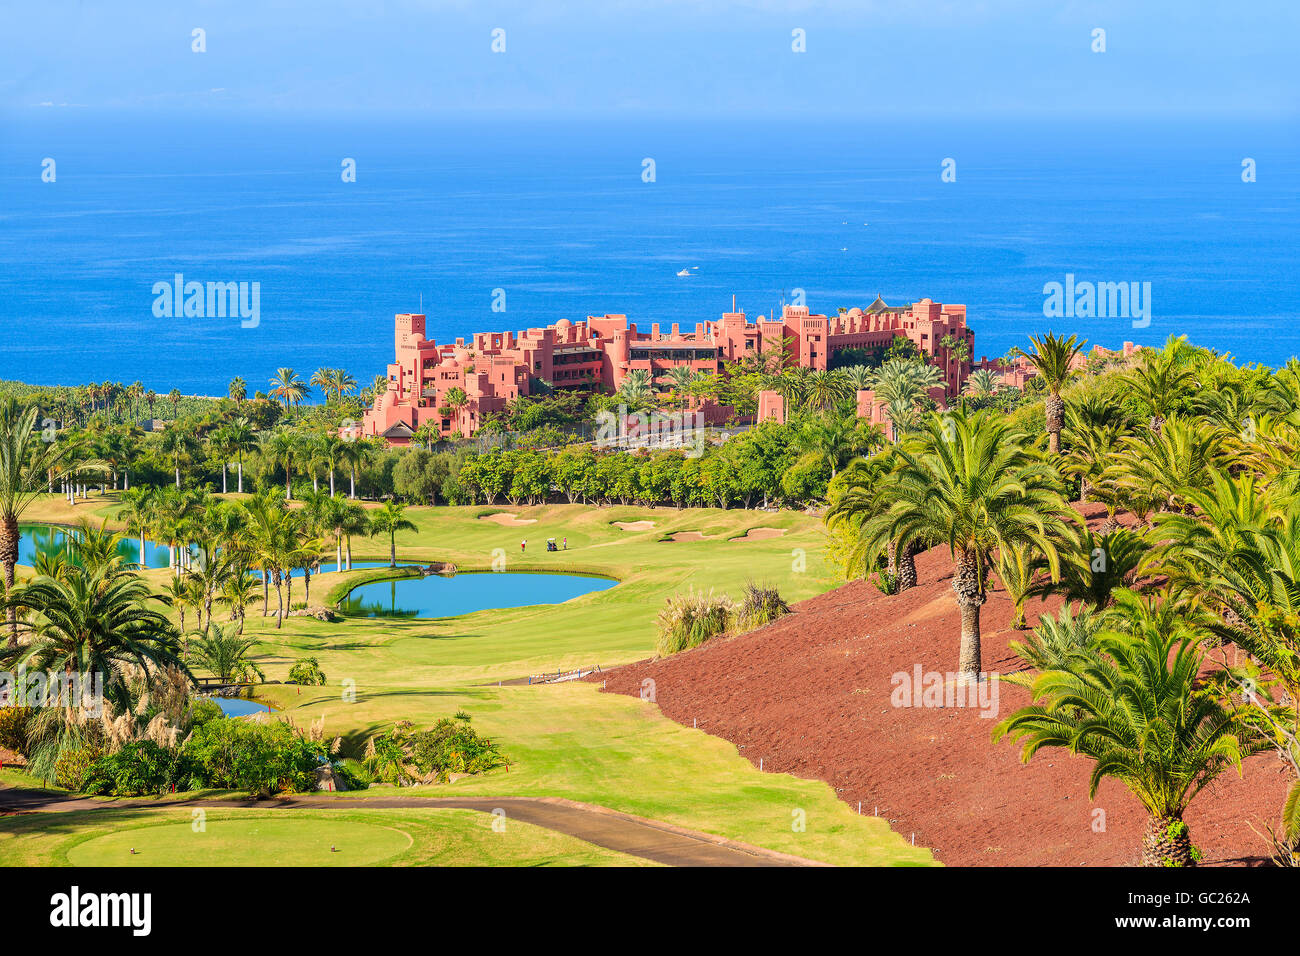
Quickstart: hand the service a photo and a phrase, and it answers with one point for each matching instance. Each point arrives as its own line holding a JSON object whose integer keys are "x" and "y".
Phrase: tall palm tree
{"x": 27, "y": 462}
{"x": 355, "y": 453}
{"x": 240, "y": 438}
{"x": 237, "y": 390}
{"x": 323, "y": 378}
{"x": 179, "y": 444}
{"x": 284, "y": 448}
{"x": 390, "y": 519}
{"x": 1052, "y": 356}
{"x": 239, "y": 591}
{"x": 1132, "y": 703}
{"x": 978, "y": 485}
{"x": 288, "y": 387}
{"x": 355, "y": 522}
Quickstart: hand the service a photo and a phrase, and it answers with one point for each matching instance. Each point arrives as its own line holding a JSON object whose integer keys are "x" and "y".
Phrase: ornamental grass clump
{"x": 691, "y": 618}
{"x": 760, "y": 605}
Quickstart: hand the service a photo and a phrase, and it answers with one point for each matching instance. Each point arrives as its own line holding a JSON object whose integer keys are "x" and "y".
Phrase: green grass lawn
{"x": 570, "y": 740}
{"x": 289, "y": 838}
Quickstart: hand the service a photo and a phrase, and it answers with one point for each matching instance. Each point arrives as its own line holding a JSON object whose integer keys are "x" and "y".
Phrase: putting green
{"x": 275, "y": 841}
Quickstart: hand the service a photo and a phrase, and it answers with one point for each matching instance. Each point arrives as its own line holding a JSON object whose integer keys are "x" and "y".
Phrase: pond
{"x": 48, "y": 539}
{"x": 446, "y": 596}
{"x": 44, "y": 539}
{"x": 238, "y": 707}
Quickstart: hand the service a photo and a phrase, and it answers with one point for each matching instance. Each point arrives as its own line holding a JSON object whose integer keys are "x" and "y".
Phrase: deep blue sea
{"x": 446, "y": 210}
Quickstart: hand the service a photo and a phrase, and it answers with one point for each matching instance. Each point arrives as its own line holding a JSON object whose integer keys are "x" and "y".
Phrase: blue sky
{"x": 594, "y": 57}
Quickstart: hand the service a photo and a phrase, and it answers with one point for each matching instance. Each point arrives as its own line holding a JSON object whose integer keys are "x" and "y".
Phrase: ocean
{"x": 559, "y": 216}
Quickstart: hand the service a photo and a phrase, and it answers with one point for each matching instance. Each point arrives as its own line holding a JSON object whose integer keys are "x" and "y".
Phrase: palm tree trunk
{"x": 178, "y": 477}
{"x": 1054, "y": 409}
{"x": 349, "y": 552}
{"x": 392, "y": 549}
{"x": 906, "y": 570}
{"x": 241, "y": 476}
{"x": 9, "y": 557}
{"x": 331, "y": 482}
{"x": 1166, "y": 841}
{"x": 352, "y": 488}
{"x": 970, "y": 596}
{"x": 225, "y": 473}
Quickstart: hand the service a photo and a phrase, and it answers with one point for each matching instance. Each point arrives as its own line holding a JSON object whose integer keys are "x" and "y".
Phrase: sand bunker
{"x": 758, "y": 534}
{"x": 507, "y": 520}
{"x": 634, "y": 525}
{"x": 686, "y": 536}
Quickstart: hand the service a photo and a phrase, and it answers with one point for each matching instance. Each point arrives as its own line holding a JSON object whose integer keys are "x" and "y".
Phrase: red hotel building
{"x": 496, "y": 367}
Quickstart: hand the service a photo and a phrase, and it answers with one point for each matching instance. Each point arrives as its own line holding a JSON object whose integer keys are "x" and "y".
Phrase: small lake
{"x": 49, "y": 539}
{"x": 44, "y": 539}
{"x": 238, "y": 707}
{"x": 439, "y": 596}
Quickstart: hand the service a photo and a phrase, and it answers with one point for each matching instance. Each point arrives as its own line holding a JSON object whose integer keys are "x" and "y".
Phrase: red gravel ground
{"x": 810, "y": 695}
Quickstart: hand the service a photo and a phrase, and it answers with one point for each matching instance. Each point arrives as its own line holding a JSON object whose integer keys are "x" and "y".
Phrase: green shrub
{"x": 73, "y": 765}
{"x": 139, "y": 768}
{"x": 760, "y": 605}
{"x": 307, "y": 672}
{"x": 353, "y": 773}
{"x": 13, "y": 728}
{"x": 451, "y": 746}
{"x": 202, "y": 710}
{"x": 261, "y": 758}
{"x": 690, "y": 619}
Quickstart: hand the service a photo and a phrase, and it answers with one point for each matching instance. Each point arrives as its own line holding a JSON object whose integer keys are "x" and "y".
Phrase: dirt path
{"x": 622, "y": 832}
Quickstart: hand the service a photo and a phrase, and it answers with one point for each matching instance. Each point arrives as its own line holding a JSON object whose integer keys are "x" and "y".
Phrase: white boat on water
{"x": 684, "y": 272}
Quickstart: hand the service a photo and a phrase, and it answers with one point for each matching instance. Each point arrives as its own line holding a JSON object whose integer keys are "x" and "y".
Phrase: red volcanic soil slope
{"x": 811, "y": 695}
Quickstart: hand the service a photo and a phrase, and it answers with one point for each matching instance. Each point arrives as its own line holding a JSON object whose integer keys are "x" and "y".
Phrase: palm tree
{"x": 324, "y": 380}
{"x": 288, "y": 387}
{"x": 179, "y": 444}
{"x": 1155, "y": 470}
{"x": 859, "y": 377}
{"x": 973, "y": 482}
{"x": 682, "y": 377}
{"x": 283, "y": 448}
{"x": 237, "y": 390}
{"x": 981, "y": 384}
{"x": 902, "y": 384}
{"x": 27, "y": 463}
{"x": 456, "y": 399}
{"x": 1097, "y": 567}
{"x": 238, "y": 592}
{"x": 355, "y": 453}
{"x": 240, "y": 438}
{"x": 826, "y": 390}
{"x": 829, "y": 439}
{"x": 1132, "y": 703}
{"x": 224, "y": 651}
{"x": 862, "y": 497}
{"x": 1052, "y": 356}
{"x": 389, "y": 520}
{"x": 1160, "y": 383}
{"x": 637, "y": 387}
{"x": 355, "y": 521}
{"x": 94, "y": 621}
